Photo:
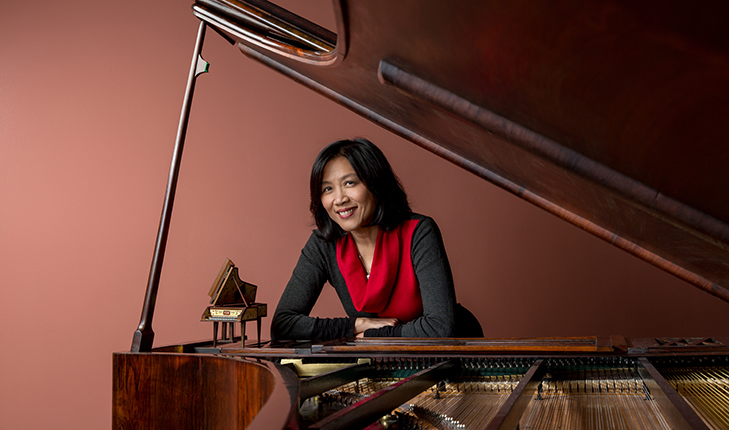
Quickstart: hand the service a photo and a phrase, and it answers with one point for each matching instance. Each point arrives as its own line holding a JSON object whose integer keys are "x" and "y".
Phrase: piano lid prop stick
{"x": 242, "y": 296}
{"x": 144, "y": 335}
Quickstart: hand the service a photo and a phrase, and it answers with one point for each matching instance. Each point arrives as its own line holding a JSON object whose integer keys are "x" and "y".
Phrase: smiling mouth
{"x": 346, "y": 213}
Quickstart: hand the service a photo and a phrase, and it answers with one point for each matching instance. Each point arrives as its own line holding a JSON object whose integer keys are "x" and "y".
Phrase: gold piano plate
{"x": 225, "y": 314}
{"x": 235, "y": 313}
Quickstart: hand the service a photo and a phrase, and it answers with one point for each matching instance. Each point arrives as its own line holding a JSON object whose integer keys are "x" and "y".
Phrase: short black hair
{"x": 373, "y": 169}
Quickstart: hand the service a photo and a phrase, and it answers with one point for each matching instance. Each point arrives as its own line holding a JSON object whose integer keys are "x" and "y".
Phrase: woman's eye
{"x": 325, "y": 189}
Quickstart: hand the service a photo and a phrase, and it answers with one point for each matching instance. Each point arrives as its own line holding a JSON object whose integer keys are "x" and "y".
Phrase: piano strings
{"x": 466, "y": 404}
{"x": 705, "y": 389}
{"x": 448, "y": 405}
{"x": 593, "y": 398}
{"x": 574, "y": 393}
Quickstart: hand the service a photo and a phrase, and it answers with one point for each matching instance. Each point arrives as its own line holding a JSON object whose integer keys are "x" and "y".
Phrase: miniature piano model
{"x": 232, "y": 301}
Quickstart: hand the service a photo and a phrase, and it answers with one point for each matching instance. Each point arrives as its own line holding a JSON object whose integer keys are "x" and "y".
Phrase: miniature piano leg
{"x": 231, "y": 335}
{"x": 215, "y": 334}
{"x": 226, "y": 336}
{"x": 258, "y": 329}
{"x": 243, "y": 334}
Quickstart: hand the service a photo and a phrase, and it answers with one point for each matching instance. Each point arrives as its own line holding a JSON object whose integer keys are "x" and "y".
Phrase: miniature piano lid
{"x": 229, "y": 289}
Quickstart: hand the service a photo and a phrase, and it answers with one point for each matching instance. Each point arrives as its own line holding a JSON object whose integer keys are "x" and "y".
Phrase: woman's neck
{"x": 365, "y": 237}
{"x": 365, "y": 240}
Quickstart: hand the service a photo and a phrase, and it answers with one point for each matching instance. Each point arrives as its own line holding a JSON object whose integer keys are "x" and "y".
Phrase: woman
{"x": 386, "y": 263}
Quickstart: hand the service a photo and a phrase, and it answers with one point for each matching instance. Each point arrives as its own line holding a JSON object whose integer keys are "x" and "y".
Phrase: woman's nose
{"x": 340, "y": 196}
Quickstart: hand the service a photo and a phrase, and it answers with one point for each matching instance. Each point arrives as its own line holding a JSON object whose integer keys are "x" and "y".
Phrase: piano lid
{"x": 611, "y": 115}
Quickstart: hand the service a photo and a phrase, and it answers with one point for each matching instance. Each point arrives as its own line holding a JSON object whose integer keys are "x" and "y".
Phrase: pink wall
{"x": 90, "y": 95}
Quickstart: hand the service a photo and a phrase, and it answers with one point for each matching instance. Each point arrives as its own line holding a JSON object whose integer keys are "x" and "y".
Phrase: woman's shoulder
{"x": 422, "y": 220}
{"x": 317, "y": 250}
{"x": 426, "y": 226}
{"x": 316, "y": 240}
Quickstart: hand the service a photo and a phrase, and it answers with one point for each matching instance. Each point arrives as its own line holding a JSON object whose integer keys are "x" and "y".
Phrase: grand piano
{"x": 610, "y": 115}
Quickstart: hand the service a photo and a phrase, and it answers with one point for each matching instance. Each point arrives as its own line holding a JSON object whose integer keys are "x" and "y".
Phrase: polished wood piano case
{"x": 608, "y": 114}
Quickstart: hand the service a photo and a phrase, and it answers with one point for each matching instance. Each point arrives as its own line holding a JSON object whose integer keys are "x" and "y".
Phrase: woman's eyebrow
{"x": 341, "y": 178}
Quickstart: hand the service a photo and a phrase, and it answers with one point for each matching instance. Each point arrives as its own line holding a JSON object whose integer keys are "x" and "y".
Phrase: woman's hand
{"x": 362, "y": 324}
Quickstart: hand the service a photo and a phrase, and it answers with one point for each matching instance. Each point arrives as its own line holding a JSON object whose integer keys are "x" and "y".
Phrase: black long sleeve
{"x": 332, "y": 328}
{"x": 386, "y": 331}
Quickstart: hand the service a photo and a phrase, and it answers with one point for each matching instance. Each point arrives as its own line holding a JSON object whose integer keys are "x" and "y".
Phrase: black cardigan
{"x": 317, "y": 265}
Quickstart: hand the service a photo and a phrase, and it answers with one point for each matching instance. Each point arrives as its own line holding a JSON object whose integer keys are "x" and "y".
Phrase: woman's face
{"x": 345, "y": 197}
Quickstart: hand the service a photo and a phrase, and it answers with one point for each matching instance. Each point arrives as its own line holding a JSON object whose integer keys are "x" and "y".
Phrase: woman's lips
{"x": 346, "y": 213}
